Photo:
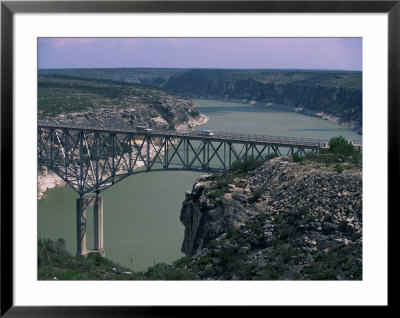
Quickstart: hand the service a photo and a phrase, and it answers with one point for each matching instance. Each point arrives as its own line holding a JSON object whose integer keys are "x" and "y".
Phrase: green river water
{"x": 141, "y": 213}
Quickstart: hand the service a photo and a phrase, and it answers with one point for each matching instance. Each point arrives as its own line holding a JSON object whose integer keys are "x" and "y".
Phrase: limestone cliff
{"x": 282, "y": 220}
{"x": 328, "y": 94}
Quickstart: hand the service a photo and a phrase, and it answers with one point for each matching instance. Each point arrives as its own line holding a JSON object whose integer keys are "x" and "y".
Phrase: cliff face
{"x": 334, "y": 93}
{"x": 282, "y": 221}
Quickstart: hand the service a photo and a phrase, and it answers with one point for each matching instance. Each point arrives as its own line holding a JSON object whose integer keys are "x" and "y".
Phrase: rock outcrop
{"x": 99, "y": 102}
{"x": 174, "y": 113}
{"x": 47, "y": 179}
{"x": 281, "y": 221}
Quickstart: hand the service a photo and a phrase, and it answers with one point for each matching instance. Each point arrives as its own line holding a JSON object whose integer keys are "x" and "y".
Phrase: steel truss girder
{"x": 90, "y": 161}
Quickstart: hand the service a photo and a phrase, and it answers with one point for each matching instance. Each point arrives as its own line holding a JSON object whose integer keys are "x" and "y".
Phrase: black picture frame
{"x": 8, "y": 8}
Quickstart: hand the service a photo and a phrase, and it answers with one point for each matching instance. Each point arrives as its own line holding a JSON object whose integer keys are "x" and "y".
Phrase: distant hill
{"x": 335, "y": 95}
{"x": 152, "y": 76}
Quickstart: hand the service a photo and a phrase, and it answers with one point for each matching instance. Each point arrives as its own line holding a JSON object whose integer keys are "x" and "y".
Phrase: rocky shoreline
{"x": 47, "y": 179}
{"x": 352, "y": 125}
{"x": 282, "y": 221}
{"x": 192, "y": 123}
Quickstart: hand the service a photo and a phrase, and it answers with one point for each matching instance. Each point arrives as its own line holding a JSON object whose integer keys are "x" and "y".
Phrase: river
{"x": 141, "y": 213}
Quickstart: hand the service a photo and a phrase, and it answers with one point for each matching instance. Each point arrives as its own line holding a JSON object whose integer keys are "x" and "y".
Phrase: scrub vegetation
{"x": 62, "y": 95}
{"x": 340, "y": 156}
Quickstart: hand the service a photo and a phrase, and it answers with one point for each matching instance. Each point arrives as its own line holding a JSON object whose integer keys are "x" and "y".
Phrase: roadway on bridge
{"x": 217, "y": 136}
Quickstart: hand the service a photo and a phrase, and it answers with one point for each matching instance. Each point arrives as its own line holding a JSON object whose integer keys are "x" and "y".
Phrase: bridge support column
{"x": 98, "y": 225}
{"x": 81, "y": 205}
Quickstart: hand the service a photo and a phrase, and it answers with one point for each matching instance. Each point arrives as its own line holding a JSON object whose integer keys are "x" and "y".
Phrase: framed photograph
{"x": 282, "y": 115}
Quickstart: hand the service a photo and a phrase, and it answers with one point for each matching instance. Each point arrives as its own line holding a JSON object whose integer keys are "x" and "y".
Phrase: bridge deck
{"x": 218, "y": 136}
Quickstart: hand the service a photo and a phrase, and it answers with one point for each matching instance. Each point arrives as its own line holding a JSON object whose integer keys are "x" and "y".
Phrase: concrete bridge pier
{"x": 98, "y": 226}
{"x": 81, "y": 204}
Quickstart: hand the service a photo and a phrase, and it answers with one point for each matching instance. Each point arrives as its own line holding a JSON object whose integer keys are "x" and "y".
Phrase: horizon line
{"x": 204, "y": 68}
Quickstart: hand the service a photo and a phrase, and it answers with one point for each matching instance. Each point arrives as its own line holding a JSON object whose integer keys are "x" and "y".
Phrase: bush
{"x": 339, "y": 151}
{"x": 262, "y": 217}
{"x": 246, "y": 165}
{"x": 232, "y": 233}
{"x": 303, "y": 210}
{"x": 311, "y": 218}
{"x": 230, "y": 261}
{"x": 256, "y": 195}
{"x": 250, "y": 163}
{"x": 285, "y": 234}
{"x": 216, "y": 194}
{"x": 339, "y": 145}
{"x": 194, "y": 113}
{"x": 272, "y": 272}
{"x": 339, "y": 168}
{"x": 297, "y": 158}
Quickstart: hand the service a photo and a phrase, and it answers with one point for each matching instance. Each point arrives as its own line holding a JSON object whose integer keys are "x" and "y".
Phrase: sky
{"x": 253, "y": 53}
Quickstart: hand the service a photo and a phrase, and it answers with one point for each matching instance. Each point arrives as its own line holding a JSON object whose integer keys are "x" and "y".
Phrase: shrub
{"x": 194, "y": 113}
{"x": 250, "y": 163}
{"x": 216, "y": 194}
{"x": 339, "y": 145}
{"x": 168, "y": 272}
{"x": 211, "y": 244}
{"x": 285, "y": 234}
{"x": 246, "y": 165}
{"x": 339, "y": 168}
{"x": 222, "y": 184}
{"x": 328, "y": 218}
{"x": 183, "y": 261}
{"x": 232, "y": 233}
{"x": 339, "y": 151}
{"x": 229, "y": 260}
{"x": 303, "y": 210}
{"x": 272, "y": 272}
{"x": 311, "y": 218}
{"x": 256, "y": 195}
{"x": 297, "y": 158}
{"x": 222, "y": 181}
{"x": 262, "y": 217}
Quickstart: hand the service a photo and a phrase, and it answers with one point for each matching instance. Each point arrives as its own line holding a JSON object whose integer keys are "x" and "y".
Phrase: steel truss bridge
{"x": 91, "y": 159}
